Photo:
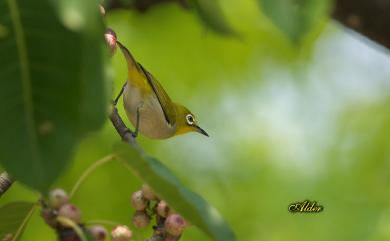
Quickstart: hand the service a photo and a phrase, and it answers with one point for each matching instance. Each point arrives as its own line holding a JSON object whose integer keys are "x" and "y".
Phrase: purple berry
{"x": 70, "y": 211}
{"x": 141, "y": 219}
{"x": 163, "y": 209}
{"x": 99, "y": 233}
{"x": 175, "y": 224}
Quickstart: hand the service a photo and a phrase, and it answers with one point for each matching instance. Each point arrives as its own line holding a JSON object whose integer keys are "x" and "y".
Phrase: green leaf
{"x": 78, "y": 15}
{"x": 52, "y": 90}
{"x": 212, "y": 16}
{"x": 13, "y": 219}
{"x": 189, "y": 204}
{"x": 295, "y": 18}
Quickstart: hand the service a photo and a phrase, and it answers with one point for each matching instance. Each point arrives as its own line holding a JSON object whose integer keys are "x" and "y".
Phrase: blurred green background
{"x": 287, "y": 123}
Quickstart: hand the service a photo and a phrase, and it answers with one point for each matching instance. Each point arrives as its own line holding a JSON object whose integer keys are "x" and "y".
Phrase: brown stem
{"x": 124, "y": 132}
{"x": 142, "y": 6}
{"x": 5, "y": 182}
{"x": 156, "y": 238}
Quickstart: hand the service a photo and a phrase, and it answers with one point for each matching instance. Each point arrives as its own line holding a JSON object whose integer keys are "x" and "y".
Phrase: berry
{"x": 163, "y": 209}
{"x": 138, "y": 201}
{"x": 57, "y": 198}
{"x": 70, "y": 211}
{"x": 99, "y": 233}
{"x": 121, "y": 233}
{"x": 175, "y": 224}
{"x": 49, "y": 217}
{"x": 170, "y": 237}
{"x": 141, "y": 219}
{"x": 148, "y": 192}
{"x": 68, "y": 234}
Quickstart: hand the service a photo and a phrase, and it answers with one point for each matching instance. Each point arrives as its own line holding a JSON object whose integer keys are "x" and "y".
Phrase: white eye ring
{"x": 190, "y": 119}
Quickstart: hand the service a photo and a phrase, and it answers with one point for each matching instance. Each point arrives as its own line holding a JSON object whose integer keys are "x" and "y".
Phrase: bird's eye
{"x": 190, "y": 119}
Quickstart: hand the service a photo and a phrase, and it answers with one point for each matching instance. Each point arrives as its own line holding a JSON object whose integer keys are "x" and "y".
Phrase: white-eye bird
{"x": 149, "y": 107}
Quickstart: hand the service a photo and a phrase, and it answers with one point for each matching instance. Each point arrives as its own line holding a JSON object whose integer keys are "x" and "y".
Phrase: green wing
{"x": 166, "y": 103}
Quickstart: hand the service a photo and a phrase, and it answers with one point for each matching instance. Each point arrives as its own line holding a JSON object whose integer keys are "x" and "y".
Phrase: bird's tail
{"x": 128, "y": 56}
{"x": 135, "y": 72}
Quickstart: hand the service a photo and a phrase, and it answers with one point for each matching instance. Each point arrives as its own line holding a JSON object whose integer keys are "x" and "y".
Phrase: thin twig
{"x": 102, "y": 222}
{"x": 122, "y": 130}
{"x": 143, "y": 6}
{"x": 88, "y": 171}
{"x": 5, "y": 182}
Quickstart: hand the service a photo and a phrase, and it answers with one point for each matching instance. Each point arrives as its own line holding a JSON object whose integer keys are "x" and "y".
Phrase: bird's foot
{"x": 133, "y": 134}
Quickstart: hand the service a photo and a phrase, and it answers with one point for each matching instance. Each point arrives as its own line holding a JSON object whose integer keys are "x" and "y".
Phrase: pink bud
{"x": 163, "y": 209}
{"x": 110, "y": 36}
{"x": 70, "y": 211}
{"x": 99, "y": 233}
{"x": 175, "y": 224}
{"x": 121, "y": 233}
{"x": 141, "y": 219}
{"x": 138, "y": 201}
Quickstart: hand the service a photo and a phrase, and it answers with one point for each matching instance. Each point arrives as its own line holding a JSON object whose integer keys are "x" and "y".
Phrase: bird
{"x": 148, "y": 106}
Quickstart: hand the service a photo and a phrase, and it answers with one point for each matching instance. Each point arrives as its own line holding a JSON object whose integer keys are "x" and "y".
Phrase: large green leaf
{"x": 13, "y": 219}
{"x": 295, "y": 18}
{"x": 194, "y": 208}
{"x": 211, "y": 14}
{"x": 52, "y": 90}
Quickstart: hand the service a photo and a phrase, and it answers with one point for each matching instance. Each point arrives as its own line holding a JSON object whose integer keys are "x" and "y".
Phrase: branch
{"x": 5, "y": 182}
{"x": 124, "y": 132}
{"x": 142, "y": 5}
{"x": 369, "y": 18}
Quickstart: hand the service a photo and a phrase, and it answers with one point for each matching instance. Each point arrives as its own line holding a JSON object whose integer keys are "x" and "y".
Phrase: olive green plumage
{"x": 147, "y": 103}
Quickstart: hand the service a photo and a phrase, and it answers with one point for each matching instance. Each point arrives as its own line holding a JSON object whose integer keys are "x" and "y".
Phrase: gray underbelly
{"x": 152, "y": 121}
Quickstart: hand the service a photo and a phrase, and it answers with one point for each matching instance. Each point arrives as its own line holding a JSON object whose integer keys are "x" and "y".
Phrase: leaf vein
{"x": 26, "y": 81}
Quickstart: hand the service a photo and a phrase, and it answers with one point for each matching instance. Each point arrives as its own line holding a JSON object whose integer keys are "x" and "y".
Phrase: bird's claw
{"x": 133, "y": 134}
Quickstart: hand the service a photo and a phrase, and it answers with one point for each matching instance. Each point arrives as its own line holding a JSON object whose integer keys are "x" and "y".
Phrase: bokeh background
{"x": 288, "y": 122}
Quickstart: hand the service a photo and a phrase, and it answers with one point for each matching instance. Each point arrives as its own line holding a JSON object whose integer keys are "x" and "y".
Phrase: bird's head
{"x": 186, "y": 122}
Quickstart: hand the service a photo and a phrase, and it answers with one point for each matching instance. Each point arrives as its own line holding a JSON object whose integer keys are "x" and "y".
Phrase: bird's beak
{"x": 201, "y": 131}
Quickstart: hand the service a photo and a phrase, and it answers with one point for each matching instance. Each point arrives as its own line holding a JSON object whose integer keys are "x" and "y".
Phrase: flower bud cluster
{"x": 62, "y": 215}
{"x": 59, "y": 213}
{"x": 140, "y": 200}
{"x": 169, "y": 225}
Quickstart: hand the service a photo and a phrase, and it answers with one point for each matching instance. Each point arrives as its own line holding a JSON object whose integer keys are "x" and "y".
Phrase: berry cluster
{"x": 169, "y": 225}
{"x": 63, "y": 216}
{"x": 59, "y": 214}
